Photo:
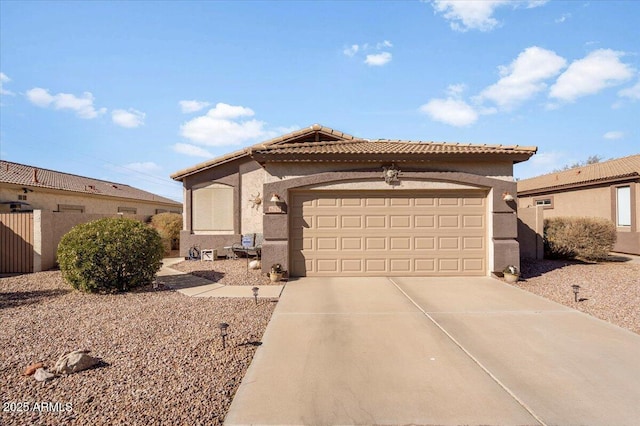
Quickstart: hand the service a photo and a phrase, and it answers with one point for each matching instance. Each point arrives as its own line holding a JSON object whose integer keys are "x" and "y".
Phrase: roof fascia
{"x": 581, "y": 185}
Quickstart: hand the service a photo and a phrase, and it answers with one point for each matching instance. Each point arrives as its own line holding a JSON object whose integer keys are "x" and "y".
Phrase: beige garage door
{"x": 388, "y": 233}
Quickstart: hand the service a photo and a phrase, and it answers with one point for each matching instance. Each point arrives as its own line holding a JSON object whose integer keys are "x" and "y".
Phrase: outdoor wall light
{"x": 223, "y": 333}
{"x": 576, "y": 289}
{"x": 507, "y": 197}
{"x": 275, "y": 198}
{"x": 255, "y": 293}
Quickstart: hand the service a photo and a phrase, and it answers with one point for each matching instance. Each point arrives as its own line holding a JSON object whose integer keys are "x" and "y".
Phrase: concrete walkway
{"x": 445, "y": 351}
{"x": 191, "y": 285}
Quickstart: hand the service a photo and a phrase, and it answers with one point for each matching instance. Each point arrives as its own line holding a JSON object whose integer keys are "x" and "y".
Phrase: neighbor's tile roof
{"x": 310, "y": 130}
{"x": 592, "y": 173}
{"x": 391, "y": 147}
{"x": 29, "y": 176}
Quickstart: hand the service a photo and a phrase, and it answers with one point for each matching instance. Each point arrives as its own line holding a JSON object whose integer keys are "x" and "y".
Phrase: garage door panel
{"x": 352, "y": 243}
{"x": 472, "y": 221}
{"x": 448, "y": 221}
{"x": 400, "y": 221}
{"x": 376, "y": 243}
{"x": 383, "y": 233}
{"x": 424, "y": 221}
{"x": 448, "y": 243}
{"x": 400, "y": 243}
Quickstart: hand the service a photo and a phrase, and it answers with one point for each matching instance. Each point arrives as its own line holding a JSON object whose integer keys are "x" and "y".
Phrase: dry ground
{"x": 225, "y": 271}
{"x": 163, "y": 361}
{"x": 608, "y": 290}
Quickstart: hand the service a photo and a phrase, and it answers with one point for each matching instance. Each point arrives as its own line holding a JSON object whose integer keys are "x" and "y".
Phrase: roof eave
{"x": 576, "y": 185}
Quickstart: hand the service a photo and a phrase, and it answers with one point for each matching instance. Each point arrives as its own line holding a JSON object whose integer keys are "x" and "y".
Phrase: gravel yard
{"x": 608, "y": 290}
{"x": 163, "y": 361}
{"x": 225, "y": 271}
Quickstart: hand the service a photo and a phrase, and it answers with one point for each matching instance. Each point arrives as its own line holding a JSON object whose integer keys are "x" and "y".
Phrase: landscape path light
{"x": 223, "y": 333}
{"x": 576, "y": 289}
{"x": 255, "y": 293}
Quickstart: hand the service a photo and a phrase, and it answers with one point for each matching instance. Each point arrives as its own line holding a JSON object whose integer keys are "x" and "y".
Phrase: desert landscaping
{"x": 161, "y": 354}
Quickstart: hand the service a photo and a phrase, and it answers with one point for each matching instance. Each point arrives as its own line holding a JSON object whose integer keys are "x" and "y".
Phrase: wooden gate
{"x": 16, "y": 243}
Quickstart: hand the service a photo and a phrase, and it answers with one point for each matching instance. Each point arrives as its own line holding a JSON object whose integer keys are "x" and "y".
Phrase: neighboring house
{"x": 38, "y": 206}
{"x": 609, "y": 190}
{"x": 334, "y": 204}
{"x": 24, "y": 187}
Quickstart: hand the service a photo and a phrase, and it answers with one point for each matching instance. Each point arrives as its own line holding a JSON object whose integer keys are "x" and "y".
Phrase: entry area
{"x": 378, "y": 233}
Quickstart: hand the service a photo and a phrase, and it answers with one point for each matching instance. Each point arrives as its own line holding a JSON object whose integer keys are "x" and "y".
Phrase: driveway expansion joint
{"x": 473, "y": 358}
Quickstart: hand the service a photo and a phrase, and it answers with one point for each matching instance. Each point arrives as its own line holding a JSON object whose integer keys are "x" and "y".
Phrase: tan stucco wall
{"x": 50, "y": 227}
{"x": 593, "y": 202}
{"x": 48, "y": 200}
{"x": 252, "y": 178}
{"x": 597, "y": 201}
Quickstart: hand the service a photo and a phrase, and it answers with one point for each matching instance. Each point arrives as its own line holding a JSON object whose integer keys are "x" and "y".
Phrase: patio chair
{"x": 251, "y": 245}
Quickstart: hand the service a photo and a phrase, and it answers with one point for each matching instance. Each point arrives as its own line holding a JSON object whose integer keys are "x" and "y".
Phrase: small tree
{"x": 110, "y": 254}
{"x": 168, "y": 226}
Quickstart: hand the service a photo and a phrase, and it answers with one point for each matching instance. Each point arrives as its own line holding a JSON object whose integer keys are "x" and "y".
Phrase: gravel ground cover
{"x": 608, "y": 290}
{"x": 162, "y": 356}
{"x": 225, "y": 271}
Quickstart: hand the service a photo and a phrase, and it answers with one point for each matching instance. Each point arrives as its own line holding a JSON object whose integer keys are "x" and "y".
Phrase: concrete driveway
{"x": 436, "y": 351}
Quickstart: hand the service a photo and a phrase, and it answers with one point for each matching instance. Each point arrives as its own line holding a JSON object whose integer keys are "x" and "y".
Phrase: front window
{"x": 546, "y": 203}
{"x": 212, "y": 208}
{"x": 623, "y": 206}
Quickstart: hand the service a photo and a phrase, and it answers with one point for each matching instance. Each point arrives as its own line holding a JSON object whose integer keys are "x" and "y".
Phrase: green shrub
{"x": 168, "y": 226}
{"x": 110, "y": 254}
{"x": 584, "y": 237}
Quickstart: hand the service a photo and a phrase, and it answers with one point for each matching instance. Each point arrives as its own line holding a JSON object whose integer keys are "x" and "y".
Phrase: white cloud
{"x": 129, "y": 119}
{"x": 220, "y": 126}
{"x": 456, "y": 90}
{"x": 450, "y": 111}
{"x": 384, "y": 45}
{"x": 614, "y": 134}
{"x": 39, "y": 96}
{"x": 5, "y": 79}
{"x": 524, "y": 77}
{"x": 144, "y": 167}
{"x": 373, "y": 59}
{"x": 598, "y": 70}
{"x": 193, "y": 106}
{"x": 632, "y": 92}
{"x": 563, "y": 18}
{"x": 351, "y": 50}
{"x": 378, "y": 59}
{"x": 464, "y": 15}
{"x": 192, "y": 150}
{"x": 83, "y": 106}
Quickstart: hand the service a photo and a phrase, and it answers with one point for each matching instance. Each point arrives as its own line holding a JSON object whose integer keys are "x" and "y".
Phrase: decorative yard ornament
{"x": 390, "y": 174}
{"x": 255, "y": 201}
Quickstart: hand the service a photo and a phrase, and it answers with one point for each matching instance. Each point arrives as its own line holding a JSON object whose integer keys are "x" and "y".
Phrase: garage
{"x": 402, "y": 233}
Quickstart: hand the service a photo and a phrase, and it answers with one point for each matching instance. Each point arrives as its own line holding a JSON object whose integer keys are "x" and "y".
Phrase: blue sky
{"x": 134, "y": 91}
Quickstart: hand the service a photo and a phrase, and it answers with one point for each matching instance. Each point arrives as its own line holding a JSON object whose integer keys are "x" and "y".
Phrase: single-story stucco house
{"x": 38, "y": 206}
{"x": 328, "y": 203}
{"x": 608, "y": 189}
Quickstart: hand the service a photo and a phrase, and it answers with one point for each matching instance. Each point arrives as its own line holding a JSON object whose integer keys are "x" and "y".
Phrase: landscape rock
{"x": 31, "y": 369}
{"x": 42, "y": 375}
{"x": 75, "y": 361}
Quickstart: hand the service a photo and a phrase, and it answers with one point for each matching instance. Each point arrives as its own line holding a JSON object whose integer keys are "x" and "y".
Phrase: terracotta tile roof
{"x": 592, "y": 173}
{"x": 29, "y": 176}
{"x": 362, "y": 149}
{"x": 322, "y": 132}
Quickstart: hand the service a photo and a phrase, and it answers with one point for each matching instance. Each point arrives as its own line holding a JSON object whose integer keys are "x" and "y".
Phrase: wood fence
{"x": 16, "y": 243}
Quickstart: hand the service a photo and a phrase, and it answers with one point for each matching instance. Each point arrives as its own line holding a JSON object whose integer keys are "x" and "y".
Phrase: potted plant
{"x": 276, "y": 272}
{"x": 511, "y": 274}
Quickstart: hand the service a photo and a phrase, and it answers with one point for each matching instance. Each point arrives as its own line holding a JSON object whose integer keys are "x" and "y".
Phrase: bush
{"x": 168, "y": 226}
{"x": 584, "y": 237}
{"x": 110, "y": 254}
